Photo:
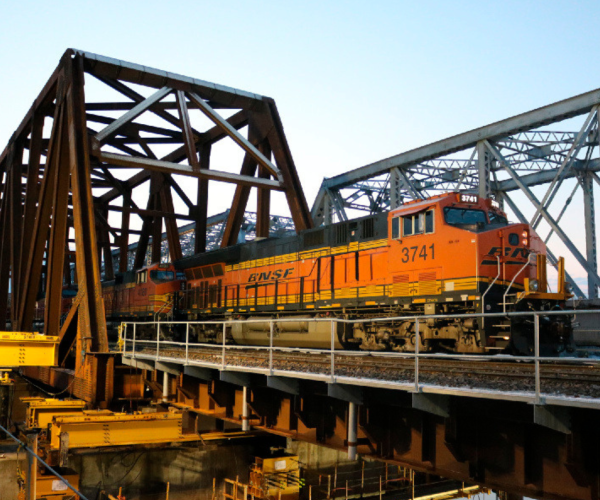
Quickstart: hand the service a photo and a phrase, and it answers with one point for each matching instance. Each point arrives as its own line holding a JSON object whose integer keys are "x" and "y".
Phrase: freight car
{"x": 450, "y": 254}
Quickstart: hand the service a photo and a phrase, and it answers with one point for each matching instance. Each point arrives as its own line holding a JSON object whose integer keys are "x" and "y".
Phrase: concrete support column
{"x": 165, "y": 396}
{"x": 31, "y": 487}
{"x": 245, "y": 416}
{"x": 352, "y": 430}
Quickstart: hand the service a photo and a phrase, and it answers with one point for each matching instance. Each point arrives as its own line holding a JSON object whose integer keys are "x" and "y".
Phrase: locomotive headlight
{"x": 533, "y": 285}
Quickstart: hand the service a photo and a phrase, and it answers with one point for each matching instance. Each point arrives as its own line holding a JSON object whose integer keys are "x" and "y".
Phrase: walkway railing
{"x": 136, "y": 347}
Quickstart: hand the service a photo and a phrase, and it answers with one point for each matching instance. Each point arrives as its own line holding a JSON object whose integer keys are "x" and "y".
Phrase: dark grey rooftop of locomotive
{"x": 368, "y": 228}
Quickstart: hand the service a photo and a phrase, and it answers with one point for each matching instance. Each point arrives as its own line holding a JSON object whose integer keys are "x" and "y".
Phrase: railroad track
{"x": 373, "y": 364}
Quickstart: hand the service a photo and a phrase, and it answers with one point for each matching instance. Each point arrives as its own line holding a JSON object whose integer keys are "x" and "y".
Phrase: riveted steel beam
{"x": 539, "y": 117}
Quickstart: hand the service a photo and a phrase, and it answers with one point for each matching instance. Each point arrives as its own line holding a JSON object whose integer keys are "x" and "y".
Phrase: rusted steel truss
{"x": 73, "y": 166}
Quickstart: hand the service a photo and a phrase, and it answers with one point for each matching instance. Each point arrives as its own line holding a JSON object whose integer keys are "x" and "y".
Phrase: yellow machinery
{"x": 49, "y": 487}
{"x": 66, "y": 424}
{"x": 270, "y": 479}
{"x": 41, "y": 411}
{"x": 26, "y": 349}
{"x": 100, "y": 428}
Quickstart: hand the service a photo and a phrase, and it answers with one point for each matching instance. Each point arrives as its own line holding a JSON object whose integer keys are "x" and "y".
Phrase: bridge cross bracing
{"x": 83, "y": 178}
{"x": 533, "y": 171}
{"x": 278, "y": 226}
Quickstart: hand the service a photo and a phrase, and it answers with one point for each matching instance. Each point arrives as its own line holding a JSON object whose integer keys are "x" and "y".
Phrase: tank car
{"x": 450, "y": 254}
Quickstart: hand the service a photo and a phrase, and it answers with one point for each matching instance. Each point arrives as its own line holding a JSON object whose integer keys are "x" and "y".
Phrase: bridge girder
{"x": 498, "y": 160}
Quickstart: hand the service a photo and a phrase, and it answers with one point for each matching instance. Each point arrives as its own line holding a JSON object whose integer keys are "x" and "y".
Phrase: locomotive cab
{"x": 458, "y": 254}
{"x": 152, "y": 292}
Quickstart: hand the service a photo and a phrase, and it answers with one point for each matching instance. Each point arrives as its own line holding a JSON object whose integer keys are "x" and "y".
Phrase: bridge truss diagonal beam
{"x": 86, "y": 176}
{"x": 527, "y": 154}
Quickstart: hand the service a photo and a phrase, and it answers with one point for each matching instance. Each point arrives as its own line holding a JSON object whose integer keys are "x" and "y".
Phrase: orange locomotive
{"x": 148, "y": 294}
{"x": 450, "y": 254}
{"x": 152, "y": 293}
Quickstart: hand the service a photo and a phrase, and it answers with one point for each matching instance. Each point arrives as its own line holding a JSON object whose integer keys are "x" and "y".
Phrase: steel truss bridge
{"x": 97, "y": 185}
{"x": 75, "y": 162}
{"x": 506, "y": 160}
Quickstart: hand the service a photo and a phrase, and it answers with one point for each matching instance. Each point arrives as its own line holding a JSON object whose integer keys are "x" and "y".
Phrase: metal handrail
{"x": 513, "y": 280}
{"x": 488, "y": 289}
{"x": 536, "y": 359}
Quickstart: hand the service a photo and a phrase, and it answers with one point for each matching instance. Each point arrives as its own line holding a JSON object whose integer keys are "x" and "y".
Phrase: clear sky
{"x": 354, "y": 81}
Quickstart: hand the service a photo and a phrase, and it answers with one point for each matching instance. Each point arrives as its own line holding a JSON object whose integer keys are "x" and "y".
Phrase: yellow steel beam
{"x": 218, "y": 436}
{"x": 41, "y": 411}
{"x": 97, "y": 429}
{"x": 27, "y": 349}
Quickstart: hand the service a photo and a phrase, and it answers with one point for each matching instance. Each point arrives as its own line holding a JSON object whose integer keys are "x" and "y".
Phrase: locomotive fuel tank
{"x": 297, "y": 331}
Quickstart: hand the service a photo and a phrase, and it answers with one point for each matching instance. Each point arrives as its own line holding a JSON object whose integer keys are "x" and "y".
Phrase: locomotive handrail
{"x": 513, "y": 280}
{"x": 129, "y": 346}
{"x": 488, "y": 289}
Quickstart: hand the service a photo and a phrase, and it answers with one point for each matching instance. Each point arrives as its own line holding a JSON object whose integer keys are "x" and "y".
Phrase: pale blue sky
{"x": 354, "y": 81}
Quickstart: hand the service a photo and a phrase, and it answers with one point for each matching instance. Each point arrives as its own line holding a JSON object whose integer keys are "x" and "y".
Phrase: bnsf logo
{"x": 271, "y": 275}
{"x": 516, "y": 252}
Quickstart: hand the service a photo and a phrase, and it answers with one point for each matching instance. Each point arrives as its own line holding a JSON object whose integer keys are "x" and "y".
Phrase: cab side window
{"x": 142, "y": 277}
{"x": 396, "y": 228}
{"x": 421, "y": 223}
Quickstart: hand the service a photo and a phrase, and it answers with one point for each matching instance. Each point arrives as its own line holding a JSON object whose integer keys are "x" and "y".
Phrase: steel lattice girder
{"x": 279, "y": 226}
{"x": 511, "y": 155}
{"x": 64, "y": 178}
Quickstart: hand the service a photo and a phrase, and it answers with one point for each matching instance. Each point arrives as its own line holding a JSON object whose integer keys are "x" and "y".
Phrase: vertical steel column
{"x": 483, "y": 164}
{"x": 587, "y": 182}
{"x": 395, "y": 184}
{"x": 245, "y": 417}
{"x": 327, "y": 209}
{"x": 352, "y": 430}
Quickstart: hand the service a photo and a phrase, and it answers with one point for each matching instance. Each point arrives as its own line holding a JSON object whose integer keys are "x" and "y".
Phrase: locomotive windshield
{"x": 496, "y": 218}
{"x": 464, "y": 216}
{"x": 162, "y": 275}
